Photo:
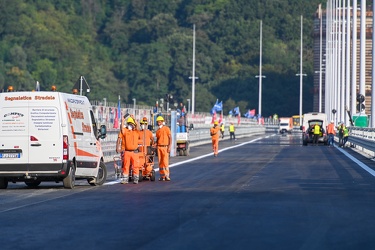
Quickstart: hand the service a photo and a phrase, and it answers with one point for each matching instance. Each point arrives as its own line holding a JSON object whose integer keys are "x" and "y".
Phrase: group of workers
{"x": 343, "y": 133}
{"x": 215, "y": 135}
{"x": 132, "y": 143}
{"x": 133, "y": 140}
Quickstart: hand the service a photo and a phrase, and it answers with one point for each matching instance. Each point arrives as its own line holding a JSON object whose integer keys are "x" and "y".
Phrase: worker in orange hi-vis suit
{"x": 130, "y": 138}
{"x": 119, "y": 144}
{"x": 164, "y": 143}
{"x": 215, "y": 133}
{"x": 146, "y": 139}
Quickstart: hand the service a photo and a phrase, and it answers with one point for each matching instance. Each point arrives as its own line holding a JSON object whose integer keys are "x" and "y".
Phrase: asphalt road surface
{"x": 264, "y": 192}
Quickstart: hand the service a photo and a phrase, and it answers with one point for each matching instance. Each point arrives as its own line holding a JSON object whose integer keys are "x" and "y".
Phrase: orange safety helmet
{"x": 144, "y": 120}
{"x": 53, "y": 88}
{"x": 10, "y": 88}
{"x": 75, "y": 91}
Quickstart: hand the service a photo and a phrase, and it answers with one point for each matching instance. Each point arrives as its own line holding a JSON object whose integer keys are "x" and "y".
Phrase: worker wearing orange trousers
{"x": 130, "y": 138}
{"x": 215, "y": 133}
{"x": 146, "y": 139}
{"x": 164, "y": 143}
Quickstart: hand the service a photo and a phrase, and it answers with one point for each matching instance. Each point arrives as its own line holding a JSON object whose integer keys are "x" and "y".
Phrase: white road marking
{"x": 193, "y": 159}
{"x": 361, "y": 164}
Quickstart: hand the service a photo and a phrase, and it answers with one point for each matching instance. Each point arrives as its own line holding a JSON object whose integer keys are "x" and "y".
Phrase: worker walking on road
{"x": 231, "y": 131}
{"x": 164, "y": 143}
{"x": 316, "y": 134}
{"x": 345, "y": 135}
{"x": 331, "y": 133}
{"x": 129, "y": 140}
{"x": 222, "y": 130}
{"x": 340, "y": 128}
{"x": 214, "y": 132}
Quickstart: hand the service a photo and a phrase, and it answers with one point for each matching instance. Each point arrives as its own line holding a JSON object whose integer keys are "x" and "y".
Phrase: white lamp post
{"x": 188, "y": 100}
{"x": 193, "y": 76}
{"x": 260, "y": 76}
{"x": 301, "y": 75}
{"x": 134, "y": 101}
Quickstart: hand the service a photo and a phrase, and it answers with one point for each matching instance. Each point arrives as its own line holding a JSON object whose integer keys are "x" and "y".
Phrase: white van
{"x": 285, "y": 125}
{"x": 49, "y": 136}
{"x": 309, "y": 120}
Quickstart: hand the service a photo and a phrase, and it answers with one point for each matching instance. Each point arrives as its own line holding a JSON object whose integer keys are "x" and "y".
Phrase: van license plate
{"x": 9, "y": 155}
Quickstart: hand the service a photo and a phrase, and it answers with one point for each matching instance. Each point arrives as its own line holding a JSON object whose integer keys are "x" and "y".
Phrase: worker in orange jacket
{"x": 146, "y": 139}
{"x": 130, "y": 138}
{"x": 164, "y": 143}
{"x": 119, "y": 144}
{"x": 214, "y": 132}
{"x": 331, "y": 133}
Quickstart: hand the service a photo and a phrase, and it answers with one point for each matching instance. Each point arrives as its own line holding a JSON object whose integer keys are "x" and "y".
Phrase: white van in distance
{"x": 49, "y": 136}
{"x": 285, "y": 125}
{"x": 309, "y": 120}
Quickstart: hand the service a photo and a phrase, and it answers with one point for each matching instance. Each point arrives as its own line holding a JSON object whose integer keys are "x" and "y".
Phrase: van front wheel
{"x": 69, "y": 181}
{"x": 102, "y": 176}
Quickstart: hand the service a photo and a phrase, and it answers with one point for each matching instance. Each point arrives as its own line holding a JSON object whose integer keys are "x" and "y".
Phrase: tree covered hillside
{"x": 143, "y": 49}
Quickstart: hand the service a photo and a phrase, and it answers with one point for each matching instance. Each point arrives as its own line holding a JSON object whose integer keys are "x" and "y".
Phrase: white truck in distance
{"x": 285, "y": 125}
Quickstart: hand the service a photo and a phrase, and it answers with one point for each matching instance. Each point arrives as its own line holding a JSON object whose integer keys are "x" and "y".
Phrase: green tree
{"x": 45, "y": 74}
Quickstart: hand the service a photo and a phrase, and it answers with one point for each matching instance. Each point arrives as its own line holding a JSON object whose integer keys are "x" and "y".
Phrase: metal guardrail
{"x": 363, "y": 138}
{"x": 197, "y": 136}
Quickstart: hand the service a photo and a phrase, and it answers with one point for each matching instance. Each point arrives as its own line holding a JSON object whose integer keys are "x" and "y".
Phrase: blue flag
{"x": 213, "y": 108}
{"x": 236, "y": 111}
{"x": 217, "y": 107}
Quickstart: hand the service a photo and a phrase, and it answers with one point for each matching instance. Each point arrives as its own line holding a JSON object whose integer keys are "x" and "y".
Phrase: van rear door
{"x": 14, "y": 136}
{"x": 45, "y": 138}
{"x": 30, "y": 133}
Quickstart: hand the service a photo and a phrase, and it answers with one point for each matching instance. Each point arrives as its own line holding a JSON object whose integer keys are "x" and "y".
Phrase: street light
{"x": 168, "y": 98}
{"x": 260, "y": 76}
{"x": 301, "y": 75}
{"x": 134, "y": 100}
{"x": 193, "y": 77}
{"x": 188, "y": 105}
{"x": 162, "y": 104}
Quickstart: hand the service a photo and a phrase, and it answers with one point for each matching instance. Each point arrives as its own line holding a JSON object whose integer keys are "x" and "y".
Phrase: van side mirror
{"x": 191, "y": 127}
{"x": 103, "y": 132}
